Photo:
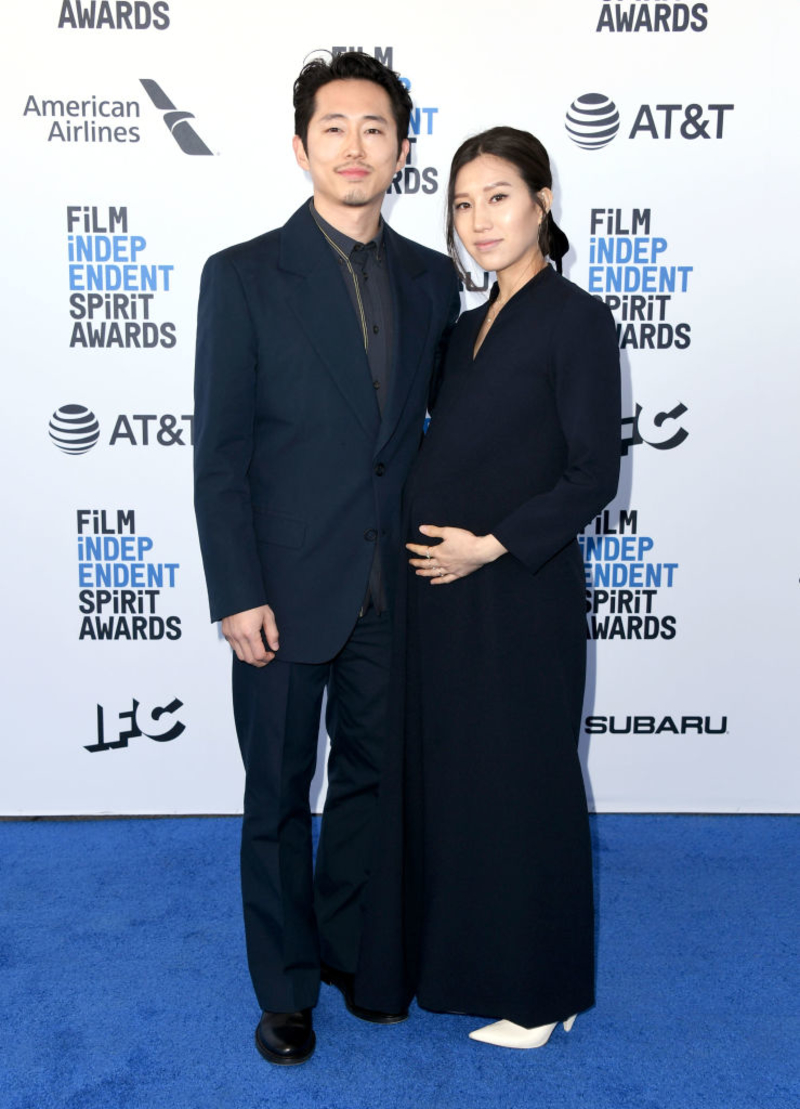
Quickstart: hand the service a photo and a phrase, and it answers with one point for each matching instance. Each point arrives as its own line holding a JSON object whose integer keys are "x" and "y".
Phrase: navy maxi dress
{"x": 481, "y": 895}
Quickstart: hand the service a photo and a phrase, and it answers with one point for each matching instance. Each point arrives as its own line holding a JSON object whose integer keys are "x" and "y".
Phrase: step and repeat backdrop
{"x": 141, "y": 137}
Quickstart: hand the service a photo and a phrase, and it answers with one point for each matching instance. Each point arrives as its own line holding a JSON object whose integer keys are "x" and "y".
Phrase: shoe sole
{"x": 367, "y": 1015}
{"x": 384, "y": 1018}
{"x": 283, "y": 1060}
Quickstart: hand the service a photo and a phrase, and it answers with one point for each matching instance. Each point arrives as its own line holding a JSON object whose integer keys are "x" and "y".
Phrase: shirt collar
{"x": 344, "y": 242}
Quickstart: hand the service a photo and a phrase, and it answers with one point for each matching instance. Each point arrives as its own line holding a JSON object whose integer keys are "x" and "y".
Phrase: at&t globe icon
{"x": 74, "y": 429}
{"x": 592, "y": 120}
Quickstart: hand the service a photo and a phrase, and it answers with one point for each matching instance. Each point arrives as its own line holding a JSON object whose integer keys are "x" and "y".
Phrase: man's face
{"x": 351, "y": 147}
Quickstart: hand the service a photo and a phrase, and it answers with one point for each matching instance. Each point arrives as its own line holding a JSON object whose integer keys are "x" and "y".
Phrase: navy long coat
{"x": 481, "y": 899}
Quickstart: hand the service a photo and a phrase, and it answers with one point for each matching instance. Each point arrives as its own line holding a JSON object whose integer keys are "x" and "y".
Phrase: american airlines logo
{"x": 176, "y": 120}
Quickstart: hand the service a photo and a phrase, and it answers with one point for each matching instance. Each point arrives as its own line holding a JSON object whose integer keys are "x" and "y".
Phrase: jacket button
{"x": 371, "y": 535}
{"x": 380, "y": 469}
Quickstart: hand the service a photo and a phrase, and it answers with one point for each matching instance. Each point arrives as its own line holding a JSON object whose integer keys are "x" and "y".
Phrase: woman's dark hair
{"x": 351, "y": 65}
{"x": 527, "y": 155}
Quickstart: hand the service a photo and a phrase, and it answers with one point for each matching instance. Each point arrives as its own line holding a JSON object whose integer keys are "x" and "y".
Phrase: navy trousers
{"x": 295, "y": 914}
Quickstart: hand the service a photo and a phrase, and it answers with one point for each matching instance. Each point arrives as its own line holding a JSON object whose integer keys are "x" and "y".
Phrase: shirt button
{"x": 380, "y": 469}
{"x": 375, "y": 328}
{"x": 370, "y": 535}
{"x": 376, "y": 383}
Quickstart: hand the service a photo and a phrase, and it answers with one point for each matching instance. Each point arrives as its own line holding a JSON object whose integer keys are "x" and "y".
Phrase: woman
{"x": 522, "y": 452}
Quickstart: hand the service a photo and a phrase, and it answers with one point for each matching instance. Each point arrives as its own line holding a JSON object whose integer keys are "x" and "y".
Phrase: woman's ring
{"x": 428, "y": 553}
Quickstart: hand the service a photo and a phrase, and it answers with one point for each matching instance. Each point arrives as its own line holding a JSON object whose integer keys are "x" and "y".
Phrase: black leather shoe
{"x": 345, "y": 983}
{"x": 286, "y": 1038}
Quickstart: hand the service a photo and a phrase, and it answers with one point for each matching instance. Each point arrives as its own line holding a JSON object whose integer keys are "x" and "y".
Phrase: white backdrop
{"x": 117, "y": 695}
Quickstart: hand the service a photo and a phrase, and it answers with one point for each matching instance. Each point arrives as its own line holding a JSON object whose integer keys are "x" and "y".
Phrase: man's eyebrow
{"x": 343, "y": 115}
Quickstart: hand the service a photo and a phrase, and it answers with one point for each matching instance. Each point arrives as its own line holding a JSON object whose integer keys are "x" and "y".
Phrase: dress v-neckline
{"x": 476, "y": 352}
{"x": 528, "y": 284}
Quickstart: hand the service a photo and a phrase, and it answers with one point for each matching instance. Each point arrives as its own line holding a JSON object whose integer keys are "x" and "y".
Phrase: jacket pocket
{"x": 275, "y": 527}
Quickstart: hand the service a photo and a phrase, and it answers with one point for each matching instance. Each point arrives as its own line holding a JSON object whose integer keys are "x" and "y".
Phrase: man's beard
{"x": 355, "y": 200}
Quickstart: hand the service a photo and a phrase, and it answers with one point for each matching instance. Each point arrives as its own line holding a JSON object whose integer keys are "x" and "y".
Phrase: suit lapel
{"x": 319, "y": 300}
{"x": 412, "y": 313}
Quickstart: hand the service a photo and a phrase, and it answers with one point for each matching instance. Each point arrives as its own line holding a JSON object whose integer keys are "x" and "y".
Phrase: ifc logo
{"x": 74, "y": 429}
{"x": 592, "y": 120}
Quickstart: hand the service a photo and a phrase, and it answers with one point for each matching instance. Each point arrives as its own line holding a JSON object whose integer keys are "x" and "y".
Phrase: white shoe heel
{"x": 504, "y": 1033}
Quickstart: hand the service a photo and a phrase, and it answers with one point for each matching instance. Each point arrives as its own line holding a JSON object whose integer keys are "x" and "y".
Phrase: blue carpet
{"x": 124, "y": 985}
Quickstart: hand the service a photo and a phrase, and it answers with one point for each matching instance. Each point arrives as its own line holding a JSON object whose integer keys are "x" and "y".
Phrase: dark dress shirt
{"x": 366, "y": 277}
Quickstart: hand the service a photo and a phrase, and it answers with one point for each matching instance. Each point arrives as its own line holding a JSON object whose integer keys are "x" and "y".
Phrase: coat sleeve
{"x": 585, "y": 360}
{"x": 224, "y": 416}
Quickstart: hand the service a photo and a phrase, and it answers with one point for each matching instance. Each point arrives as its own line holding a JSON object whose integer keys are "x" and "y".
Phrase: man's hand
{"x": 460, "y": 553}
{"x": 243, "y": 632}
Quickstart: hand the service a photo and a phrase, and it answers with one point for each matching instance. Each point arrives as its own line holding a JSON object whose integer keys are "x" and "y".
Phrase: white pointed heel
{"x": 504, "y": 1033}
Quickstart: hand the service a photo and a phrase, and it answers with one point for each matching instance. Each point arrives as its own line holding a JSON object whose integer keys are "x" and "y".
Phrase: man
{"x": 315, "y": 347}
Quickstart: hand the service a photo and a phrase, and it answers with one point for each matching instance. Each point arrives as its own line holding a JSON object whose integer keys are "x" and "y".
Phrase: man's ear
{"x": 300, "y": 152}
{"x": 405, "y": 146}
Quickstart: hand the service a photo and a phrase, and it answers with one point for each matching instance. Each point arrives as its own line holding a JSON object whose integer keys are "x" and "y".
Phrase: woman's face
{"x": 496, "y": 217}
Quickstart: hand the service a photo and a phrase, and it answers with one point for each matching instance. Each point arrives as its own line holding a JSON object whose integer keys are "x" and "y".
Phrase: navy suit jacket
{"x": 297, "y": 476}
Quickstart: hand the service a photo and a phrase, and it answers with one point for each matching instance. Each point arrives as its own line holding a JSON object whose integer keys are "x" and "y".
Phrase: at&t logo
{"x": 592, "y": 121}
{"x": 75, "y": 429}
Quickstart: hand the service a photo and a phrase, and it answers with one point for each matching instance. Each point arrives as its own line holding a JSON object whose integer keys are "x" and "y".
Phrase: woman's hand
{"x": 460, "y": 553}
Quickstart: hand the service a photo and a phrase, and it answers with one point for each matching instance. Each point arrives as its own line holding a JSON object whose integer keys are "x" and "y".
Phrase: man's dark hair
{"x": 530, "y": 159}
{"x": 352, "y": 65}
